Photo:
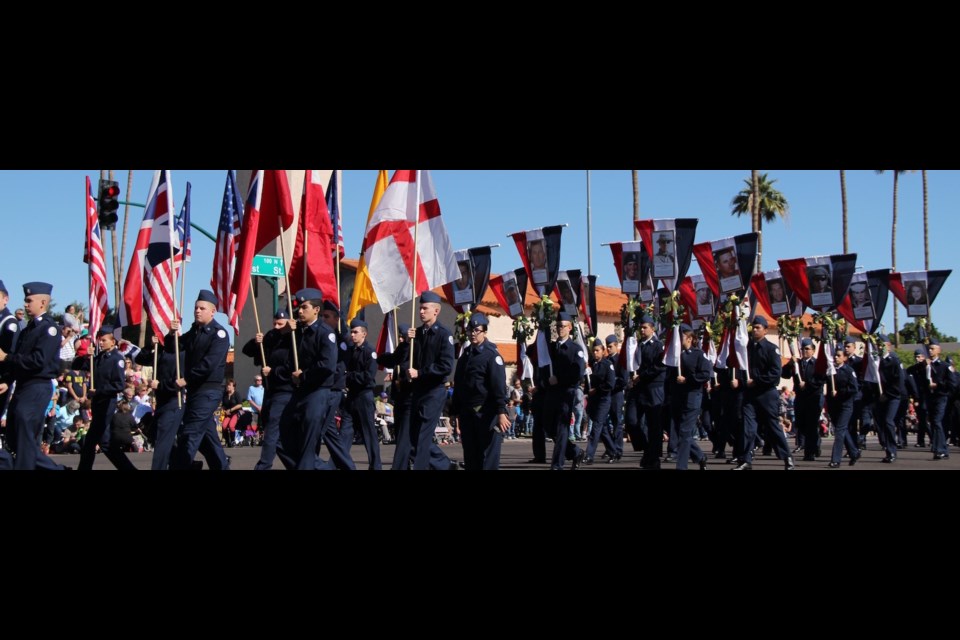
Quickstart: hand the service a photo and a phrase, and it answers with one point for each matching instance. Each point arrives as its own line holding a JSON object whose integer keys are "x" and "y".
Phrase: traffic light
{"x": 108, "y": 204}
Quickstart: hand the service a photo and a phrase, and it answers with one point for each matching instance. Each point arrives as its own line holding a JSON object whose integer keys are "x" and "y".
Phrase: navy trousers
{"x": 104, "y": 406}
{"x": 556, "y": 415}
{"x": 359, "y": 409}
{"x": 599, "y": 430}
{"x": 481, "y": 439}
{"x": 271, "y": 446}
{"x": 885, "y": 414}
{"x": 936, "y": 408}
{"x": 842, "y": 435}
{"x": 25, "y": 420}
{"x": 198, "y": 432}
{"x": 426, "y": 407}
{"x": 166, "y": 422}
{"x": 338, "y": 441}
{"x": 763, "y": 410}
{"x": 685, "y": 417}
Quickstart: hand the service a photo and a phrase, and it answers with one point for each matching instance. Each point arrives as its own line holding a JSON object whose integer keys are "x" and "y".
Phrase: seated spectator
{"x": 123, "y": 427}
{"x": 142, "y": 402}
{"x": 255, "y": 397}
{"x": 232, "y": 406}
{"x": 68, "y": 441}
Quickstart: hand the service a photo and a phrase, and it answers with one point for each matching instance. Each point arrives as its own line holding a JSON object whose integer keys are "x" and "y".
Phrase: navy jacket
{"x": 480, "y": 381}
{"x": 205, "y": 360}
{"x": 37, "y": 357}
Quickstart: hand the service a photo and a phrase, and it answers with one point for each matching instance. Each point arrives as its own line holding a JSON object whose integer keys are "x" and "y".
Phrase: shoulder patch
{"x": 450, "y": 338}
{"x": 52, "y": 331}
{"x": 373, "y": 354}
{"x": 12, "y": 326}
{"x": 121, "y": 364}
{"x": 343, "y": 346}
{"x": 499, "y": 361}
{"x": 777, "y": 349}
{"x": 332, "y": 338}
{"x": 221, "y": 333}
{"x": 611, "y": 367}
{"x": 580, "y": 355}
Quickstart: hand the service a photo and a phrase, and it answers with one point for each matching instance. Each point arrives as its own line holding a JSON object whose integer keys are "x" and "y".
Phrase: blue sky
{"x": 44, "y": 215}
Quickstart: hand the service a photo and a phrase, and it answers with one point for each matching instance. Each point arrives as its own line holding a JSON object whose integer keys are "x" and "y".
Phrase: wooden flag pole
{"x": 256, "y": 318}
{"x": 416, "y": 255}
{"x": 176, "y": 334}
{"x": 183, "y": 280}
{"x": 286, "y": 280}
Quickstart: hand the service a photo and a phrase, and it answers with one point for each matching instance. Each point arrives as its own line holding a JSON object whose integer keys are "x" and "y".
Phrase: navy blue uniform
{"x": 841, "y": 408}
{"x": 685, "y": 401}
{"x": 400, "y": 395}
{"x": 937, "y": 398}
{"x": 617, "y": 403}
{"x": 305, "y": 416}
{"x": 433, "y": 359}
{"x": 602, "y": 384}
{"x": 32, "y": 366}
{"x": 479, "y": 399}
{"x": 108, "y": 383}
{"x": 278, "y": 389}
{"x": 862, "y": 418}
{"x": 361, "y": 378}
{"x": 649, "y": 401}
{"x": 169, "y": 411}
{"x": 808, "y": 403}
{"x": 539, "y": 435}
{"x": 908, "y": 389}
{"x": 569, "y": 366}
{"x": 340, "y": 440}
{"x": 886, "y": 407}
{"x": 761, "y": 403}
{"x": 205, "y": 359}
{"x": 918, "y": 372}
{"x": 9, "y": 332}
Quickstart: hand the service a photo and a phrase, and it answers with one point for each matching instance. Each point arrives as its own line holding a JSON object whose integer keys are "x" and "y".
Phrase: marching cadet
{"x": 34, "y": 363}
{"x": 603, "y": 380}
{"x": 621, "y": 376}
{"x": 885, "y": 409}
{"x": 9, "y": 332}
{"x": 841, "y": 399}
{"x": 169, "y": 412}
{"x": 361, "y": 379}
{"x": 918, "y": 371}
{"x": 279, "y": 389}
{"x": 340, "y": 440}
{"x": 400, "y": 396}
{"x": 480, "y": 399}
{"x": 809, "y": 389}
{"x": 862, "y": 416}
{"x": 432, "y": 365}
{"x": 761, "y": 403}
{"x": 205, "y": 348}
{"x": 538, "y": 389}
{"x": 569, "y": 366}
{"x": 107, "y": 384}
{"x": 648, "y": 394}
{"x": 304, "y": 418}
{"x": 940, "y": 386}
{"x": 685, "y": 385}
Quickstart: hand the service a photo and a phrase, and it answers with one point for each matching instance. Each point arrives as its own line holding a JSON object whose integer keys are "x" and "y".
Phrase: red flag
{"x": 311, "y": 265}
{"x": 267, "y": 210}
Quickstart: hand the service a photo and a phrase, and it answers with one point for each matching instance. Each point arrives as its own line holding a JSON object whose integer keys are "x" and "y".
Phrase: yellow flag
{"x": 363, "y": 293}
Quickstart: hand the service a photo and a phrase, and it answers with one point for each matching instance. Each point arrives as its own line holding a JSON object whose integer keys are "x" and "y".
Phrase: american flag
{"x": 228, "y": 240}
{"x": 164, "y": 245}
{"x": 333, "y": 205}
{"x": 94, "y": 256}
{"x": 183, "y": 231}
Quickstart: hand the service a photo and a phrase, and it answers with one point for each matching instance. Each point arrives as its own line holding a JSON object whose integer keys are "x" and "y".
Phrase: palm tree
{"x": 843, "y": 199}
{"x": 893, "y": 245}
{"x": 765, "y": 203}
{"x": 636, "y": 205}
{"x": 926, "y": 220}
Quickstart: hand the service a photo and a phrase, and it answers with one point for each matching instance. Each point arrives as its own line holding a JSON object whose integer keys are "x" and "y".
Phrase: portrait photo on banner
{"x": 631, "y": 272}
{"x": 463, "y": 286}
{"x": 705, "y": 300}
{"x": 537, "y": 258}
{"x": 664, "y": 256}
{"x": 777, "y": 295}
{"x": 917, "y": 303}
{"x": 821, "y": 287}
{"x": 567, "y": 299}
{"x": 512, "y": 293}
{"x": 728, "y": 269}
{"x": 861, "y": 302}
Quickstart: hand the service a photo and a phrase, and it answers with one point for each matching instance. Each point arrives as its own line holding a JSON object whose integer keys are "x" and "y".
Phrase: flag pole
{"x": 90, "y": 288}
{"x": 416, "y": 254}
{"x": 256, "y": 318}
{"x": 286, "y": 280}
{"x": 183, "y": 280}
{"x": 176, "y": 334}
{"x": 336, "y": 237}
